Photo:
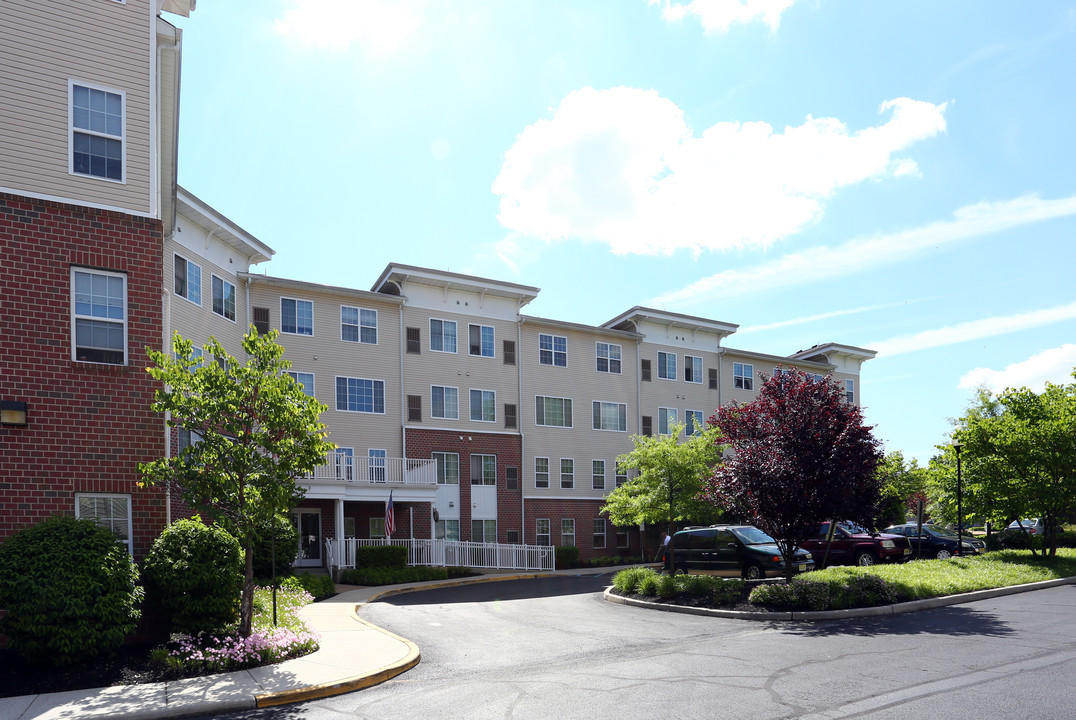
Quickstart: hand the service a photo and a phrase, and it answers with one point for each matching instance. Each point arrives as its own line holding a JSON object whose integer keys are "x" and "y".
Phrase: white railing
{"x": 454, "y": 553}
{"x": 376, "y": 471}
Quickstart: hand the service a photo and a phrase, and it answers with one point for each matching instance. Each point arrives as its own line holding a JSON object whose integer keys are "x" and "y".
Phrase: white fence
{"x": 444, "y": 553}
{"x": 376, "y": 470}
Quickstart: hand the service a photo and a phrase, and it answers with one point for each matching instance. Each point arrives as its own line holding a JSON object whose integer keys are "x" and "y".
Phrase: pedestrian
{"x": 666, "y": 550}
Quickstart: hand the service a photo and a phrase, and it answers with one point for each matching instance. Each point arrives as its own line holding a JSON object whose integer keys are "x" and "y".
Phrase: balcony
{"x": 375, "y": 471}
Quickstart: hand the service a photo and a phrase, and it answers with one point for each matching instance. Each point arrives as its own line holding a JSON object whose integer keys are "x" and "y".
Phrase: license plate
{"x": 801, "y": 568}
{"x": 907, "y": 551}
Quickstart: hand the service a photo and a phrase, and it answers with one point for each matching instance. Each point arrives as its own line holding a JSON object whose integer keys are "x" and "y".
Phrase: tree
{"x": 669, "y": 479}
{"x": 801, "y": 456}
{"x": 254, "y": 433}
{"x": 902, "y": 486}
{"x": 1019, "y": 454}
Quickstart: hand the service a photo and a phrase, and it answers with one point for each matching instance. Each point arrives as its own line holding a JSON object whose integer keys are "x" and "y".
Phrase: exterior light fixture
{"x": 12, "y": 412}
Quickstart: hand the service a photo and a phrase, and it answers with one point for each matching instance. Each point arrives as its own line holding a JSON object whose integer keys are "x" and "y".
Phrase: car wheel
{"x": 864, "y": 559}
{"x": 943, "y": 554}
{"x": 753, "y": 572}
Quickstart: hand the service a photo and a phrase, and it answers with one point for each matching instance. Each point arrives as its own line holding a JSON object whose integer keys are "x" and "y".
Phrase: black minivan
{"x": 733, "y": 551}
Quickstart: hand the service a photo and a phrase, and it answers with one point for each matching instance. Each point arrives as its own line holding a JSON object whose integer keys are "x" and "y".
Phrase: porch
{"x": 346, "y": 469}
{"x": 342, "y": 553}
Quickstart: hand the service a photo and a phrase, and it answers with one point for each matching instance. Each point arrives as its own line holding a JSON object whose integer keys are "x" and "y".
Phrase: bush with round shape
{"x": 197, "y": 572}
{"x": 69, "y": 590}
{"x": 567, "y": 556}
{"x": 627, "y": 581}
{"x": 284, "y": 534}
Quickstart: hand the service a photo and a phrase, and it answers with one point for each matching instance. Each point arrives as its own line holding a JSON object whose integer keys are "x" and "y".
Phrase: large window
{"x": 610, "y": 416}
{"x": 376, "y": 462}
{"x": 667, "y": 365}
{"x": 344, "y": 458}
{"x": 223, "y": 298}
{"x": 305, "y": 380}
{"x": 666, "y": 419}
{"x": 110, "y": 511}
{"x": 693, "y": 369}
{"x": 188, "y": 279}
{"x": 448, "y": 468}
{"x": 480, "y": 340}
{"x": 553, "y": 350}
{"x": 483, "y": 405}
{"x": 552, "y": 411}
{"x": 358, "y": 325}
{"x": 567, "y": 473}
{"x": 597, "y": 474}
{"x": 541, "y": 532}
{"x": 97, "y": 132}
{"x": 360, "y": 395}
{"x": 694, "y": 421}
{"x": 445, "y": 402}
{"x": 99, "y": 301}
{"x": 567, "y": 531}
{"x": 296, "y": 316}
{"x": 743, "y": 376}
{"x": 443, "y": 335}
{"x": 541, "y": 472}
{"x": 608, "y": 358}
{"x": 483, "y": 469}
{"x": 598, "y": 540}
{"x": 447, "y": 530}
{"x": 484, "y": 531}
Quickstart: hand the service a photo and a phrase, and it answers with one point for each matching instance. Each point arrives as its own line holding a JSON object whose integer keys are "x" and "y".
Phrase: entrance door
{"x": 309, "y": 524}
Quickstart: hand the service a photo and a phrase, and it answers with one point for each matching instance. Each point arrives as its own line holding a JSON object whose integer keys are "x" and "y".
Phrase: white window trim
{"x": 548, "y": 534}
{"x": 296, "y": 332}
{"x": 129, "y": 542}
{"x": 607, "y": 402}
{"x": 470, "y": 414}
{"x": 432, "y": 406}
{"x": 340, "y": 456}
{"x": 571, "y": 523}
{"x": 235, "y": 294}
{"x": 360, "y": 326}
{"x": 560, "y": 473}
{"x": 449, "y": 352}
{"x": 554, "y": 351}
{"x": 446, "y": 453}
{"x": 598, "y": 357}
{"x": 657, "y": 370}
{"x": 74, "y": 317}
{"x": 675, "y": 419}
{"x": 594, "y": 474}
{"x": 696, "y": 377}
{"x": 384, "y": 398}
{"x": 186, "y": 297}
{"x": 547, "y": 472}
{"x": 293, "y": 373}
{"x": 595, "y": 534}
{"x": 850, "y": 390}
{"x": 479, "y": 353}
{"x": 700, "y": 424}
{"x": 743, "y": 376}
{"x": 470, "y": 460}
{"x": 570, "y": 417}
{"x": 71, "y": 83}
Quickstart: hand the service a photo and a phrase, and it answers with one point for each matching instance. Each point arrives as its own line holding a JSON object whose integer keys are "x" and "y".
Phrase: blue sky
{"x": 894, "y": 176}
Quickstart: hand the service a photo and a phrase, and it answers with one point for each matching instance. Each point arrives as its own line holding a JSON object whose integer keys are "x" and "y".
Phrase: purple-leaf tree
{"x": 799, "y": 456}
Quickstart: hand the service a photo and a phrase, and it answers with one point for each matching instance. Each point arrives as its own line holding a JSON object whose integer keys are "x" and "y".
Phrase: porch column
{"x": 338, "y": 513}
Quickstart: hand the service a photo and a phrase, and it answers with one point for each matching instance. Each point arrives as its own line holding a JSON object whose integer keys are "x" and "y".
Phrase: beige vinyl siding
{"x": 678, "y": 393}
{"x": 45, "y": 44}
{"x": 199, "y": 323}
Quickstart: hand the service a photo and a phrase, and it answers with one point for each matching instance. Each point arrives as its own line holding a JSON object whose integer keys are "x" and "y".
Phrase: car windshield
{"x": 753, "y": 536}
{"x": 940, "y": 531}
{"x": 852, "y": 527}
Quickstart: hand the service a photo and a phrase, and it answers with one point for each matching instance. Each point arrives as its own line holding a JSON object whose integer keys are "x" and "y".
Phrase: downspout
{"x": 519, "y": 421}
{"x": 166, "y": 332}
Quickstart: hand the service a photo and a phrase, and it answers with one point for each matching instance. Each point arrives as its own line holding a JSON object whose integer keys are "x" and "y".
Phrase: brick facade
{"x": 89, "y": 424}
{"x": 584, "y": 513}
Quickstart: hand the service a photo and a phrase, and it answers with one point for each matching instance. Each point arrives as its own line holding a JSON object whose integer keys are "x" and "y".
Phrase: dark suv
{"x": 732, "y": 551}
{"x": 853, "y": 545}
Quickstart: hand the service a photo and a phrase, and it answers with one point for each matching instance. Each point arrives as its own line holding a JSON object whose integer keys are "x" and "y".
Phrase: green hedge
{"x": 381, "y": 556}
{"x": 320, "y": 586}
{"x": 852, "y": 591}
{"x": 391, "y": 575}
{"x": 567, "y": 556}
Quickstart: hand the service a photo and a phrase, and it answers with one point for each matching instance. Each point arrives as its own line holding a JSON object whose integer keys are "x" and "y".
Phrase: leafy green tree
{"x": 669, "y": 479}
{"x": 801, "y": 455}
{"x": 902, "y": 484}
{"x": 254, "y": 434}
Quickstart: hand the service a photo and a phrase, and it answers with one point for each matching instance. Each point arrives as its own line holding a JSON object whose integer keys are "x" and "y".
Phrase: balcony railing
{"x": 376, "y": 470}
{"x": 450, "y": 553}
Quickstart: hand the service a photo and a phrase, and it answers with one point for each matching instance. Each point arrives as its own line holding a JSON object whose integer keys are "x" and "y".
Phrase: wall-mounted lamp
{"x": 12, "y": 412}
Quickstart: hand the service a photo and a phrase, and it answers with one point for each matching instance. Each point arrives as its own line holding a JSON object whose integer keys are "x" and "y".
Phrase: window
{"x": 445, "y": 402}
{"x": 360, "y": 395}
{"x": 261, "y": 320}
{"x": 447, "y": 530}
{"x": 695, "y": 423}
{"x": 186, "y": 438}
{"x": 414, "y": 408}
{"x": 223, "y": 298}
{"x": 608, "y": 358}
{"x": 99, "y": 316}
{"x": 344, "y": 459}
{"x": 743, "y": 376}
{"x": 567, "y": 531}
{"x": 712, "y": 374}
{"x": 692, "y": 369}
{"x": 610, "y": 416}
{"x": 541, "y": 472}
{"x": 484, "y": 405}
{"x": 552, "y": 411}
{"x": 621, "y": 474}
{"x": 188, "y": 280}
{"x": 305, "y": 380}
{"x": 541, "y": 532}
{"x": 484, "y": 531}
{"x": 553, "y": 350}
{"x": 512, "y": 537}
{"x": 644, "y": 370}
{"x": 622, "y": 537}
{"x": 509, "y": 352}
{"x": 296, "y": 316}
{"x": 480, "y": 340}
{"x": 443, "y": 335}
{"x": 567, "y": 473}
{"x": 598, "y": 541}
{"x": 511, "y": 478}
{"x": 850, "y": 390}
{"x": 666, "y": 419}
{"x": 375, "y": 463}
{"x": 648, "y": 426}
{"x": 110, "y": 511}
{"x": 377, "y": 527}
{"x": 509, "y": 415}
{"x": 483, "y": 469}
{"x": 97, "y": 132}
{"x": 667, "y": 365}
{"x": 358, "y": 325}
{"x": 414, "y": 340}
{"x": 448, "y": 468}
{"x": 597, "y": 474}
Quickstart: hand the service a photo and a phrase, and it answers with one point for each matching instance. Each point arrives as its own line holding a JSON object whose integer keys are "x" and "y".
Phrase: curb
{"x": 812, "y": 615}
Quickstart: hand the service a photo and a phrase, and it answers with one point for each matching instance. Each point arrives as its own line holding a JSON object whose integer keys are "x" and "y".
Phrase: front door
{"x": 309, "y": 524}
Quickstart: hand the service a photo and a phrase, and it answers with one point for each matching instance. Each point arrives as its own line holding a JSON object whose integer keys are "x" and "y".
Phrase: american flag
{"x": 390, "y": 518}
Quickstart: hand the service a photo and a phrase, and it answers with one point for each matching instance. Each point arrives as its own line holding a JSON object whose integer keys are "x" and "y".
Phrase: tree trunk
{"x": 246, "y": 604}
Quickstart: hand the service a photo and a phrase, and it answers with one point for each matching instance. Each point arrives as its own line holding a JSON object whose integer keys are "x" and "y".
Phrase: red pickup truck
{"x": 852, "y": 545}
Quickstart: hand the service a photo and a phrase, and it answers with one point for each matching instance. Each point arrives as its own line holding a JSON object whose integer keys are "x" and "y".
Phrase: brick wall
{"x": 584, "y": 512}
{"x": 89, "y": 424}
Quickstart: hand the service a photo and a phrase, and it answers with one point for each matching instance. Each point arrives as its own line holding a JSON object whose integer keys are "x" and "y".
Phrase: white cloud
{"x": 1054, "y": 365}
{"x": 378, "y": 26}
{"x": 823, "y": 263}
{"x": 718, "y": 15}
{"x": 621, "y": 166}
{"x": 974, "y": 330}
{"x": 821, "y": 316}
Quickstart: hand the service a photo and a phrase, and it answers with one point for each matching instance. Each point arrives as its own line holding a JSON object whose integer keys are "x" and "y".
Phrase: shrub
{"x": 283, "y": 533}
{"x": 567, "y": 556}
{"x": 381, "y": 556}
{"x": 319, "y": 586}
{"x": 1007, "y": 539}
{"x": 668, "y": 587}
{"x": 648, "y": 585}
{"x": 627, "y": 581}
{"x": 698, "y": 585}
{"x": 457, "y": 571}
{"x": 69, "y": 590}
{"x": 729, "y": 592}
{"x": 197, "y": 572}
{"x": 848, "y": 589}
{"x": 391, "y": 576}
{"x": 800, "y": 594}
